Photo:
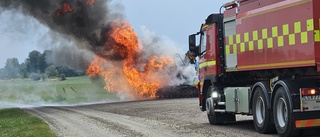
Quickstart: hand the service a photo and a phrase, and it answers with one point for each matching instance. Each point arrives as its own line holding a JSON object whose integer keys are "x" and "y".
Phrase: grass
{"x": 74, "y": 90}
{"x": 14, "y": 93}
{"x": 15, "y": 122}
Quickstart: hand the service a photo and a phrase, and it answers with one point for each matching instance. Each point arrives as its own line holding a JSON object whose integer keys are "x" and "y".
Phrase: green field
{"x": 17, "y": 123}
{"x": 74, "y": 90}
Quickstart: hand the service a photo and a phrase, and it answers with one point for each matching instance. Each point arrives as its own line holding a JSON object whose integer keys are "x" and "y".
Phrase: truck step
{"x": 221, "y": 103}
{"x": 219, "y": 110}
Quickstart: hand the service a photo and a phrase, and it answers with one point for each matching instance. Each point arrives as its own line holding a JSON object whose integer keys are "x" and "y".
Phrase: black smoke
{"x": 86, "y": 25}
{"x": 84, "y": 22}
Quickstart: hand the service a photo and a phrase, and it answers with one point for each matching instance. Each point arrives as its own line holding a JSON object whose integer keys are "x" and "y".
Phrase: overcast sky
{"x": 172, "y": 19}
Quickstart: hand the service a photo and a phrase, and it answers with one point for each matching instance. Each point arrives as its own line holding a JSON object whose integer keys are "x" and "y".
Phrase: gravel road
{"x": 156, "y": 118}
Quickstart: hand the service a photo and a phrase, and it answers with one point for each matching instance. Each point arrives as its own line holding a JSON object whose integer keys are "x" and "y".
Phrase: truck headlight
{"x": 214, "y": 95}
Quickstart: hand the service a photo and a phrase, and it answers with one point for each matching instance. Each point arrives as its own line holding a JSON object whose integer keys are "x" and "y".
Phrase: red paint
{"x": 286, "y": 53}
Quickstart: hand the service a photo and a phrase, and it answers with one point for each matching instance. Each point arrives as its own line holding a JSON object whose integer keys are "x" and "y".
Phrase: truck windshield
{"x": 203, "y": 42}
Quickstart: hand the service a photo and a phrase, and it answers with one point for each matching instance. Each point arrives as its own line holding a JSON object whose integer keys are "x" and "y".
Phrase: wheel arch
{"x": 292, "y": 87}
{"x": 208, "y": 81}
{"x": 287, "y": 89}
{"x": 206, "y": 84}
{"x": 265, "y": 85}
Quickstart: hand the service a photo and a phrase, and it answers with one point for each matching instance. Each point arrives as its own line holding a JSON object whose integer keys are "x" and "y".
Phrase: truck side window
{"x": 203, "y": 42}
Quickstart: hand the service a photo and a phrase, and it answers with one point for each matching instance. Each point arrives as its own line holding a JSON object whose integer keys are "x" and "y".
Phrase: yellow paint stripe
{"x": 260, "y": 44}
{"x": 285, "y": 29}
{"x": 277, "y": 64}
{"x": 292, "y": 39}
{"x": 246, "y": 37}
{"x": 234, "y": 49}
{"x": 264, "y": 33}
{"x": 227, "y": 50}
{"x": 304, "y": 37}
{"x": 317, "y": 36}
{"x": 280, "y": 41}
{"x": 211, "y": 63}
{"x": 231, "y": 39}
{"x": 310, "y": 25}
{"x": 275, "y": 31}
{"x": 297, "y": 27}
{"x": 201, "y": 65}
{"x": 270, "y": 42}
{"x": 251, "y": 46}
{"x": 207, "y": 64}
{"x": 255, "y": 35}
{"x": 242, "y": 47}
{"x": 238, "y": 38}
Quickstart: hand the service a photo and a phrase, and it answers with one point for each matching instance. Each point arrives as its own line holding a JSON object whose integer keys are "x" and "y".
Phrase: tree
{"x": 12, "y": 68}
{"x": 52, "y": 71}
{"x": 33, "y": 61}
{"x": 42, "y": 63}
{"x": 23, "y": 70}
{"x": 36, "y": 62}
{"x": 2, "y": 76}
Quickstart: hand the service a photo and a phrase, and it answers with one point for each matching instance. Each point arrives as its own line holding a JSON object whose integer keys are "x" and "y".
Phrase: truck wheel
{"x": 213, "y": 117}
{"x": 283, "y": 119}
{"x": 261, "y": 113}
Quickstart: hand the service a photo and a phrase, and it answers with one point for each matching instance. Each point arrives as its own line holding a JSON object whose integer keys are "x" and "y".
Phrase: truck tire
{"x": 283, "y": 119}
{"x": 216, "y": 118}
{"x": 261, "y": 113}
{"x": 213, "y": 117}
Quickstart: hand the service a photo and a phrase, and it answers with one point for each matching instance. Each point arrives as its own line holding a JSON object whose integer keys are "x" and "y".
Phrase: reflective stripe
{"x": 317, "y": 35}
{"x": 201, "y": 65}
{"x": 307, "y": 123}
{"x": 277, "y": 64}
{"x": 238, "y": 42}
{"x": 211, "y": 63}
{"x": 207, "y": 64}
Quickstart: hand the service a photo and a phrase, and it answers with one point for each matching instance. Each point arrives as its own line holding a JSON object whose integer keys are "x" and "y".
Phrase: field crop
{"x": 74, "y": 90}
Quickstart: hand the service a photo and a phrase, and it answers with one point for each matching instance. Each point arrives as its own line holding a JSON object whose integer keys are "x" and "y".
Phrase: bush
{"x": 62, "y": 77}
{"x": 52, "y": 71}
{"x": 35, "y": 76}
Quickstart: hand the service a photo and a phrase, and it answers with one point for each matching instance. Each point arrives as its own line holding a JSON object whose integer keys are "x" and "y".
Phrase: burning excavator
{"x": 127, "y": 68}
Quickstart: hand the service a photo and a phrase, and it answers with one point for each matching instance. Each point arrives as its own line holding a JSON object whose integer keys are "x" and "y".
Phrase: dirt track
{"x": 163, "y": 118}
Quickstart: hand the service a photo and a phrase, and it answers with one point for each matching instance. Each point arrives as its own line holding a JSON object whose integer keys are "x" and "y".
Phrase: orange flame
{"x": 65, "y": 7}
{"x": 130, "y": 73}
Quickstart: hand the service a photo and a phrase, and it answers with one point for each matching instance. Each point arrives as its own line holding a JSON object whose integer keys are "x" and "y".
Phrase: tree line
{"x": 36, "y": 67}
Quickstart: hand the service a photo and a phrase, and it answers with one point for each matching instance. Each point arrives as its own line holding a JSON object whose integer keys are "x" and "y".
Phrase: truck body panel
{"x": 266, "y": 37}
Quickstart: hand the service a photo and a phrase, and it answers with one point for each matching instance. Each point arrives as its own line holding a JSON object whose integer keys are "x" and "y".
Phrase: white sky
{"x": 173, "y": 19}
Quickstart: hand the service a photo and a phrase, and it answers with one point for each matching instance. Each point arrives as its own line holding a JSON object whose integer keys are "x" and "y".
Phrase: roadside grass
{"x": 15, "y": 122}
{"x": 74, "y": 90}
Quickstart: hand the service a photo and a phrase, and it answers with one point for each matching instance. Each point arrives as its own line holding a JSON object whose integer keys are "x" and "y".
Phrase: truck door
{"x": 209, "y": 53}
{"x": 203, "y": 58}
{"x": 212, "y": 51}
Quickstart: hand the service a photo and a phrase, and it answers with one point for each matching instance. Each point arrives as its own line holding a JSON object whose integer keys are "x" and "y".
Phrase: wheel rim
{"x": 208, "y": 106}
{"x": 282, "y": 112}
{"x": 260, "y": 110}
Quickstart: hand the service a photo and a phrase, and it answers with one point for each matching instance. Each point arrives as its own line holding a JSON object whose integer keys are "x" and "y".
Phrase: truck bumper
{"x": 307, "y": 119}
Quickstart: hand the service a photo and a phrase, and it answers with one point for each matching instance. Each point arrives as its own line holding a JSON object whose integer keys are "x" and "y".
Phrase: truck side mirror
{"x": 192, "y": 42}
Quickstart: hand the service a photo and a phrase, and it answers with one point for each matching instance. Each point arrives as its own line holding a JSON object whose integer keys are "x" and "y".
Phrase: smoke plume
{"x": 81, "y": 25}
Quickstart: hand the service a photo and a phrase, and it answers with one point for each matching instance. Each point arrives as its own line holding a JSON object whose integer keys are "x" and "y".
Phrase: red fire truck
{"x": 261, "y": 58}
